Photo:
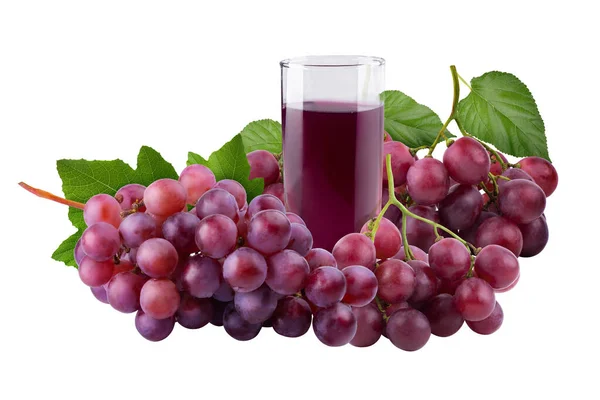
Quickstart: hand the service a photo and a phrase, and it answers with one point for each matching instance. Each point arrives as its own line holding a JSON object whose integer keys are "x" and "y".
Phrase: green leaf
{"x": 230, "y": 162}
{"x": 500, "y": 110}
{"x": 410, "y": 122}
{"x": 65, "y": 252}
{"x": 83, "y": 179}
{"x": 264, "y": 134}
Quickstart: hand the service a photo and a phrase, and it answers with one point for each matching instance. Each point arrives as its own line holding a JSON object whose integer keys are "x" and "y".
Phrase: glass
{"x": 332, "y": 118}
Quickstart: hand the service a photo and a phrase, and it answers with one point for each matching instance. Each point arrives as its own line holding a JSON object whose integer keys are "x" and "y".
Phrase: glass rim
{"x": 332, "y": 61}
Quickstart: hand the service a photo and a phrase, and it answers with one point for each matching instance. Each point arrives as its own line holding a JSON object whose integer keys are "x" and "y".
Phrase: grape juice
{"x": 332, "y": 166}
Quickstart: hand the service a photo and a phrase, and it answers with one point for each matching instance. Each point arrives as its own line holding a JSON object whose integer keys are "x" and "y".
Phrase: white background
{"x": 96, "y": 80}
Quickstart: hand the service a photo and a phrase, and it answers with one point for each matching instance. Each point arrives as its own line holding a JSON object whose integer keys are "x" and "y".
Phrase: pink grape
{"x": 197, "y": 180}
{"x": 387, "y": 239}
{"x": 236, "y": 189}
{"x": 335, "y": 326}
{"x": 136, "y": 229}
{"x": 165, "y": 197}
{"x": 159, "y": 298}
{"x": 194, "y": 313}
{"x": 129, "y": 195}
{"x": 490, "y": 324}
{"x": 217, "y": 201}
{"x": 408, "y": 329}
{"x": 450, "y": 259}
{"x": 401, "y": 160}
{"x": 542, "y": 172}
{"x": 201, "y": 276}
{"x": 276, "y": 189}
{"x": 245, "y": 269}
{"x": 320, "y": 258}
{"x": 467, "y": 161}
{"x": 396, "y": 280}
{"x": 102, "y": 208}
{"x": 101, "y": 241}
{"x": 157, "y": 258}
{"x": 500, "y": 231}
{"x": 427, "y": 181}
{"x": 355, "y": 249}
{"x": 95, "y": 273}
{"x": 287, "y": 272}
{"x": 474, "y": 299}
{"x": 301, "y": 240}
{"x": 325, "y": 286}
{"x": 216, "y": 236}
{"x": 361, "y": 286}
{"x": 263, "y": 165}
{"x": 497, "y": 266}
{"x": 269, "y": 232}
{"x": 369, "y": 326}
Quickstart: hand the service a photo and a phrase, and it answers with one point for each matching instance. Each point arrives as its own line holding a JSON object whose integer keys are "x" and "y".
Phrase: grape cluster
{"x": 251, "y": 265}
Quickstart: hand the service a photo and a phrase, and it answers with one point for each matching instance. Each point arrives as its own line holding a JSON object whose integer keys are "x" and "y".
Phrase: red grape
{"x": 500, "y": 231}
{"x": 196, "y": 179}
{"x": 461, "y": 208}
{"x": 165, "y": 197}
{"x": 102, "y": 208}
{"x": 301, "y": 240}
{"x": 369, "y": 325}
{"x": 408, "y": 329}
{"x": 402, "y": 160}
{"x": 153, "y": 329}
{"x": 467, "y": 161}
{"x": 245, "y": 269}
{"x": 269, "y": 232}
{"x": 542, "y": 172}
{"x": 427, "y": 285}
{"x": 497, "y": 266}
{"x": 336, "y": 325}
{"x": 420, "y": 233}
{"x": 157, "y": 258}
{"x": 95, "y": 273}
{"x": 263, "y": 165}
{"x": 101, "y": 241}
{"x": 320, "y": 258}
{"x": 159, "y": 298}
{"x": 130, "y": 195}
{"x": 325, "y": 286}
{"x": 264, "y": 202}
{"x": 450, "y": 259}
{"x": 387, "y": 238}
{"x": 396, "y": 280}
{"x": 292, "y": 317}
{"x": 535, "y": 236}
{"x": 354, "y": 249}
{"x": 136, "y": 229}
{"x": 474, "y": 299}
{"x": 217, "y": 201}
{"x": 287, "y": 272}
{"x": 180, "y": 230}
{"x": 276, "y": 189}
{"x": 361, "y": 286}
{"x": 236, "y": 189}
{"x": 444, "y": 318}
{"x": 427, "y": 181}
{"x": 123, "y": 291}
{"x": 216, "y": 236}
{"x": 521, "y": 201}
{"x": 201, "y": 276}
{"x": 490, "y": 324}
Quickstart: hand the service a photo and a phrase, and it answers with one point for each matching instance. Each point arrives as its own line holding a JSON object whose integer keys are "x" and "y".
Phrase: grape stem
{"x": 452, "y": 116}
{"x": 49, "y": 196}
{"x": 381, "y": 308}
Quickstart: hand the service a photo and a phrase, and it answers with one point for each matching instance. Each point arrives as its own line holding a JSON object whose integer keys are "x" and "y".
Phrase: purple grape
{"x": 136, "y": 229}
{"x": 99, "y": 293}
{"x": 236, "y": 189}
{"x": 470, "y": 233}
{"x": 301, "y": 240}
{"x": 180, "y": 230}
{"x": 387, "y": 239}
{"x": 419, "y": 233}
{"x": 521, "y": 201}
{"x": 336, "y": 325}
{"x": 396, "y": 280}
{"x": 320, "y": 258}
{"x": 355, "y": 249}
{"x": 218, "y": 311}
{"x": 245, "y": 269}
{"x": 417, "y": 252}
{"x": 490, "y": 324}
{"x": 513, "y": 174}
{"x": 467, "y": 161}
{"x": 201, "y": 276}
{"x": 157, "y": 258}
{"x": 461, "y": 208}
{"x": 277, "y": 190}
{"x": 497, "y": 266}
{"x": 194, "y": 313}
{"x": 263, "y": 165}
{"x": 256, "y": 306}
{"x": 401, "y": 160}
{"x": 369, "y": 325}
{"x": 101, "y": 241}
{"x": 217, "y": 201}
{"x": 444, "y": 318}
{"x": 361, "y": 286}
{"x": 408, "y": 329}
{"x": 264, "y": 202}
{"x": 123, "y": 291}
{"x": 224, "y": 293}
{"x": 130, "y": 195}
{"x": 325, "y": 286}
{"x": 287, "y": 272}
{"x": 500, "y": 231}
{"x": 78, "y": 252}
{"x": 152, "y": 329}
{"x": 95, "y": 273}
{"x": 269, "y": 232}
{"x": 474, "y": 299}
{"x": 292, "y": 317}
{"x": 216, "y": 236}
{"x": 295, "y": 218}
{"x": 426, "y": 282}
{"x": 237, "y": 327}
{"x": 542, "y": 172}
{"x": 535, "y": 236}
{"x": 450, "y": 259}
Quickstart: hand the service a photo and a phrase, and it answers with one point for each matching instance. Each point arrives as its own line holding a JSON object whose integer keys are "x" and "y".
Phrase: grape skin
{"x": 461, "y": 207}
{"x": 408, "y": 329}
{"x": 513, "y": 174}
{"x": 474, "y": 299}
{"x": 325, "y": 286}
{"x": 95, "y": 273}
{"x": 159, "y": 298}
{"x": 102, "y": 208}
{"x": 194, "y": 313}
{"x": 157, "y": 258}
{"x": 426, "y": 282}
{"x": 318, "y": 257}
{"x": 335, "y": 326}
{"x": 396, "y": 280}
{"x": 101, "y": 241}
{"x": 287, "y": 272}
{"x": 216, "y": 236}
{"x": 224, "y": 293}
{"x": 387, "y": 239}
{"x": 129, "y": 195}
{"x": 444, "y": 318}
{"x": 450, "y": 259}
{"x": 236, "y": 189}
{"x": 470, "y": 233}
{"x": 237, "y": 327}
{"x": 136, "y": 229}
{"x": 264, "y": 202}
{"x": 277, "y": 190}
{"x": 123, "y": 291}
{"x": 292, "y": 317}
{"x": 301, "y": 240}
{"x": 401, "y": 161}
{"x": 500, "y": 231}
{"x": 467, "y": 161}
{"x": 245, "y": 269}
{"x": 196, "y": 179}
{"x": 218, "y": 312}
{"x": 153, "y": 329}
{"x": 355, "y": 249}
{"x": 263, "y": 165}
{"x": 369, "y": 325}
{"x": 427, "y": 181}
{"x": 165, "y": 197}
{"x": 201, "y": 276}
{"x": 256, "y": 306}
{"x": 542, "y": 172}
{"x": 99, "y": 293}
{"x": 535, "y": 236}
{"x": 217, "y": 201}
{"x": 497, "y": 266}
{"x": 180, "y": 230}
{"x": 490, "y": 324}
{"x": 269, "y": 232}
{"x": 295, "y": 218}
{"x": 78, "y": 252}
{"x": 361, "y": 286}
{"x": 521, "y": 201}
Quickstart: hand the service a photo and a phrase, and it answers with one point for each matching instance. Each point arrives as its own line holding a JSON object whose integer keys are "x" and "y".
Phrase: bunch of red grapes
{"x": 246, "y": 266}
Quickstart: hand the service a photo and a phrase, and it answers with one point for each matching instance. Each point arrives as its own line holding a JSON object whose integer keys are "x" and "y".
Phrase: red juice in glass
{"x": 332, "y": 165}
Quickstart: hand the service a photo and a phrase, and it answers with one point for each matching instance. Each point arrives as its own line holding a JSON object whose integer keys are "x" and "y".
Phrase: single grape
{"x": 153, "y": 329}
{"x": 320, "y": 258}
{"x": 218, "y": 311}
{"x": 292, "y": 317}
{"x": 461, "y": 208}
{"x": 99, "y": 293}
{"x": 497, "y": 266}
{"x": 123, "y": 291}
{"x": 470, "y": 233}
{"x": 336, "y": 325}
{"x": 159, "y": 298}
{"x": 165, "y": 197}
{"x": 445, "y": 320}
{"x": 361, "y": 286}
{"x": 500, "y": 231}
{"x": 262, "y": 203}
{"x": 396, "y": 280}
{"x": 420, "y": 233}
{"x": 542, "y": 172}
{"x": 216, "y": 236}
{"x": 130, "y": 196}
{"x": 450, "y": 259}
{"x": 245, "y": 269}
{"x": 236, "y": 189}
{"x": 387, "y": 239}
{"x": 276, "y": 189}
{"x": 401, "y": 160}
{"x": 393, "y": 213}
{"x": 417, "y": 252}
{"x": 474, "y": 299}
{"x": 194, "y": 313}
{"x": 201, "y": 276}
{"x": 301, "y": 239}
{"x": 490, "y": 324}
{"x": 78, "y": 252}
{"x": 325, "y": 286}
{"x": 263, "y": 164}
{"x": 535, "y": 236}
{"x": 369, "y": 325}
{"x": 521, "y": 201}
{"x": 136, "y": 229}
{"x": 157, "y": 258}
{"x": 237, "y": 327}
{"x": 408, "y": 329}
{"x": 355, "y": 249}
{"x": 427, "y": 181}
{"x": 256, "y": 306}
{"x": 217, "y": 201}
{"x": 197, "y": 180}
{"x": 269, "y": 232}
{"x": 467, "y": 161}
{"x": 224, "y": 293}
{"x": 180, "y": 230}
{"x": 513, "y": 174}
{"x": 101, "y": 241}
{"x": 427, "y": 283}
{"x": 102, "y": 208}
{"x": 287, "y": 272}
{"x": 295, "y": 218}
{"x": 95, "y": 273}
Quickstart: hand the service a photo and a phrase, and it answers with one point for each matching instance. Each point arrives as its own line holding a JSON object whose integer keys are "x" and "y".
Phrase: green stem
{"x": 408, "y": 254}
{"x": 452, "y": 116}
{"x": 381, "y": 308}
{"x": 465, "y": 82}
